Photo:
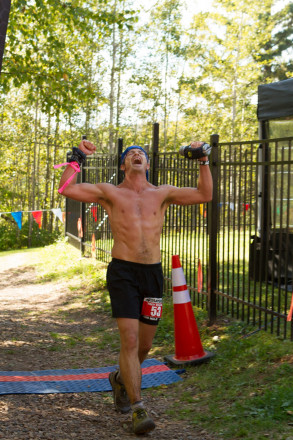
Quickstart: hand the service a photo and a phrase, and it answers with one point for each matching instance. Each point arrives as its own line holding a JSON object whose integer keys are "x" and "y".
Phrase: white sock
{"x": 136, "y": 405}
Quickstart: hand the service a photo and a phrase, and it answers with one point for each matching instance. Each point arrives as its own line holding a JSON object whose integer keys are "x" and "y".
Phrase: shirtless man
{"x": 136, "y": 211}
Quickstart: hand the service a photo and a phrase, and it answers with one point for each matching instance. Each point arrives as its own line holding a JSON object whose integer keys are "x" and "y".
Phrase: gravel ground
{"x": 31, "y": 312}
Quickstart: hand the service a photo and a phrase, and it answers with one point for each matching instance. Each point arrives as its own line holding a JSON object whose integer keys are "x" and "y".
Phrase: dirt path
{"x": 33, "y": 316}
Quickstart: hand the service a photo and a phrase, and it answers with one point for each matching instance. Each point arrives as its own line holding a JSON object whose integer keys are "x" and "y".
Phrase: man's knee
{"x": 147, "y": 333}
{"x": 144, "y": 349}
{"x": 129, "y": 339}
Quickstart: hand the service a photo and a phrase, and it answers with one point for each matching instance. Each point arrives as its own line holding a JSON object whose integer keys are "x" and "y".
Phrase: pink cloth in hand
{"x": 73, "y": 165}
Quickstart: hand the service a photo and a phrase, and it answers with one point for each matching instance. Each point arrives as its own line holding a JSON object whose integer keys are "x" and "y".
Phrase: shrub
{"x": 13, "y": 238}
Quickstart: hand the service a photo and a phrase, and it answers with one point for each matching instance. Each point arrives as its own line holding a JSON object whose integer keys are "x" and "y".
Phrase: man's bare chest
{"x": 145, "y": 206}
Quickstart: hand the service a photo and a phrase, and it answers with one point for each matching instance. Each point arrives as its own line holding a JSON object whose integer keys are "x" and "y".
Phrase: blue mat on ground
{"x": 154, "y": 373}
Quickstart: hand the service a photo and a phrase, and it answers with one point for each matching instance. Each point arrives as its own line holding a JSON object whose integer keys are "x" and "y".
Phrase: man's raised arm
{"x": 83, "y": 192}
{"x": 204, "y": 191}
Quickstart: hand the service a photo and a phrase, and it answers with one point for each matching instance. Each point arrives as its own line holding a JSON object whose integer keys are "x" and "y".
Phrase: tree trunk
{"x": 235, "y": 82}
{"x": 166, "y": 99}
{"x": 33, "y": 175}
{"x": 53, "y": 181}
{"x": 112, "y": 85}
{"x": 48, "y": 169}
{"x": 37, "y": 176}
{"x": 178, "y": 108}
{"x": 120, "y": 67}
{"x": 88, "y": 105}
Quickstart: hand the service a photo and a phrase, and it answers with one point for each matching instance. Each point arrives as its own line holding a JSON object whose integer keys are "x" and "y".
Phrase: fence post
{"x": 155, "y": 149}
{"x": 82, "y": 207}
{"x": 265, "y": 219}
{"x": 213, "y": 232}
{"x": 68, "y": 154}
{"x": 119, "y": 152}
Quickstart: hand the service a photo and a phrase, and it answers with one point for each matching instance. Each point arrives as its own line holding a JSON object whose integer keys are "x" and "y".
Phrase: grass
{"x": 23, "y": 251}
{"x": 244, "y": 392}
{"x": 62, "y": 261}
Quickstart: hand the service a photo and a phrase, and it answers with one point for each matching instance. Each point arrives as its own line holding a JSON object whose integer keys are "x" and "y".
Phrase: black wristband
{"x": 77, "y": 156}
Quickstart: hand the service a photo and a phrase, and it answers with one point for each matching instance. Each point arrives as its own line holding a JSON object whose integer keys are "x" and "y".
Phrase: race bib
{"x": 152, "y": 308}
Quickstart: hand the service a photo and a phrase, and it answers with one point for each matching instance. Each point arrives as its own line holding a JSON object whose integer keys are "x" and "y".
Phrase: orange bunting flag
{"x": 37, "y": 215}
{"x": 79, "y": 228}
{"x": 289, "y": 317}
{"x": 199, "y": 277}
{"x": 93, "y": 246}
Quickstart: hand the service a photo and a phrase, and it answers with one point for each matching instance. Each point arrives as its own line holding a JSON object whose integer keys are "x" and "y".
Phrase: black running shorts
{"x": 136, "y": 290}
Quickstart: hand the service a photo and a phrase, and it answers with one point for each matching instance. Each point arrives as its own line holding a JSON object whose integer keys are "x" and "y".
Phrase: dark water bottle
{"x": 195, "y": 153}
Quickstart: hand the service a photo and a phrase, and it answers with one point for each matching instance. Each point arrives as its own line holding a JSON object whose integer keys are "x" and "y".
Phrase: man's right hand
{"x": 87, "y": 147}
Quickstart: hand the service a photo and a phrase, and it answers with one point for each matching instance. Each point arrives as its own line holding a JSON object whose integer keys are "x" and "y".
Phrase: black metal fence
{"x": 236, "y": 251}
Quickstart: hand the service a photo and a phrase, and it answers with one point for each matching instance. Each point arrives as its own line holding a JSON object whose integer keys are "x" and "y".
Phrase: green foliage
{"x": 53, "y": 67}
{"x": 277, "y": 65}
{"x": 13, "y": 238}
{"x": 107, "y": 70}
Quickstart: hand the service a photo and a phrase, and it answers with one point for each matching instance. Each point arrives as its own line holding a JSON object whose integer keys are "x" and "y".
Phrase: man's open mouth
{"x": 137, "y": 160}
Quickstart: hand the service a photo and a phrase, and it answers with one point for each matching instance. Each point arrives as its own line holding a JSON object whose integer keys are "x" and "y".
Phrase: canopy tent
{"x": 275, "y": 109}
{"x": 275, "y": 100}
{"x": 4, "y": 15}
{"x": 272, "y": 246}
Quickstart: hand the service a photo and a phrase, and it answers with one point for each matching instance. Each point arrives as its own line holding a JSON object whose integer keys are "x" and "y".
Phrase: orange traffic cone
{"x": 199, "y": 277}
{"x": 93, "y": 246}
{"x": 289, "y": 317}
{"x": 188, "y": 347}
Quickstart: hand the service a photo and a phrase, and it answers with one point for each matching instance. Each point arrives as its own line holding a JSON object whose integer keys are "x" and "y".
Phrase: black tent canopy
{"x": 275, "y": 100}
{"x": 4, "y": 14}
{"x": 274, "y": 237}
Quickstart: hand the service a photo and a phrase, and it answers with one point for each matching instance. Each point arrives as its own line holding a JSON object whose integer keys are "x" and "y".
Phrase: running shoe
{"x": 141, "y": 422}
{"x": 121, "y": 399}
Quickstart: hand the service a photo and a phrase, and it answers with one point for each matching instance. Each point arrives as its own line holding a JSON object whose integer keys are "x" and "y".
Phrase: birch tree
{"x": 225, "y": 65}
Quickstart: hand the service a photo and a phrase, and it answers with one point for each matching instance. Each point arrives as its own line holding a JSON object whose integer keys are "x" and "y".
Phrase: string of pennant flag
{"x": 37, "y": 215}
